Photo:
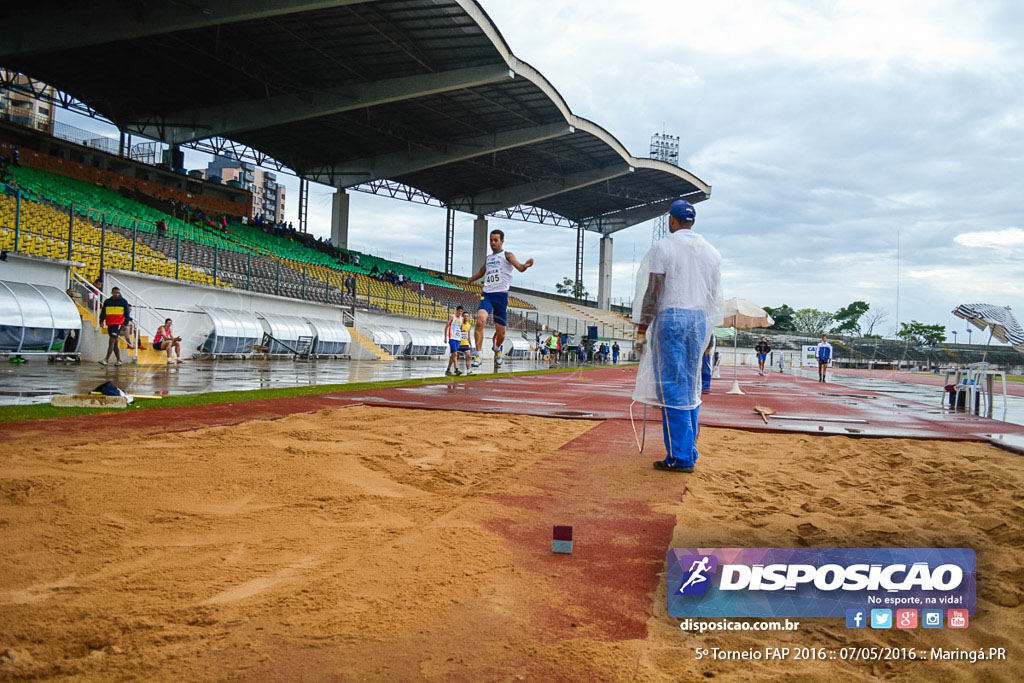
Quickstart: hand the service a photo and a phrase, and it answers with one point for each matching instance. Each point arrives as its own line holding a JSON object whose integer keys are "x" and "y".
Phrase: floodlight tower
{"x": 664, "y": 147}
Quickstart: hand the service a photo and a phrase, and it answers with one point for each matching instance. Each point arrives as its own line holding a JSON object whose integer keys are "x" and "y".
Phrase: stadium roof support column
{"x": 480, "y": 242}
{"x": 339, "y": 219}
{"x": 604, "y": 277}
{"x": 449, "y": 242}
{"x": 580, "y": 234}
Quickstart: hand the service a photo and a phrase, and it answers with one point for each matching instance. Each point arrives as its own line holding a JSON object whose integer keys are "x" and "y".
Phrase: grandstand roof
{"x": 425, "y": 93}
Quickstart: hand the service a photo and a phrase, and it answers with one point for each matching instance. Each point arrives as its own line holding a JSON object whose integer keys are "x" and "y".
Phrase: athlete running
{"x": 496, "y": 273}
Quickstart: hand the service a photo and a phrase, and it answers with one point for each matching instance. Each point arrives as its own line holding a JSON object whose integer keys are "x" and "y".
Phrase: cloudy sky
{"x": 831, "y": 132}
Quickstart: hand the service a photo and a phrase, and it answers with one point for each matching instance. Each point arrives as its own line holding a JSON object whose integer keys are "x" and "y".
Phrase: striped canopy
{"x": 998, "y": 320}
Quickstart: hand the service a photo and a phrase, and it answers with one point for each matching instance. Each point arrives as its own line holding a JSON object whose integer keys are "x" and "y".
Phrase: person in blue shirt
{"x": 824, "y": 356}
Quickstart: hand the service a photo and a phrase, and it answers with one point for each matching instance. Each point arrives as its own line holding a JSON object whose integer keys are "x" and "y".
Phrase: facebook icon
{"x": 856, "y": 618}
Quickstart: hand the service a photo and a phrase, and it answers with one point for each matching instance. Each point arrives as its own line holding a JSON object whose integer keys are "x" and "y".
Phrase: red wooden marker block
{"x": 562, "y": 533}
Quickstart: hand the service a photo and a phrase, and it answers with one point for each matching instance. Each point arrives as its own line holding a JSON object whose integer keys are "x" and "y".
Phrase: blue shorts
{"x": 453, "y": 345}
{"x": 495, "y": 303}
{"x": 762, "y": 356}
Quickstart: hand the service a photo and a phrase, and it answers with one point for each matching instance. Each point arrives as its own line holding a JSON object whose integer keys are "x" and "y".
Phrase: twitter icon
{"x": 881, "y": 618}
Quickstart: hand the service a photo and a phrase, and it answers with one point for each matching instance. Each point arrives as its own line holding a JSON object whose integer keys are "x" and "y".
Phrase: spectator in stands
{"x": 15, "y": 155}
{"x": 96, "y": 291}
{"x": 422, "y": 289}
{"x": 350, "y": 284}
{"x": 161, "y": 228}
{"x": 355, "y": 258}
{"x": 164, "y": 340}
{"x": 114, "y": 312}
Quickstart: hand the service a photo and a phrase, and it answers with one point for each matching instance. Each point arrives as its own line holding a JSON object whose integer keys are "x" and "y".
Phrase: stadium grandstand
{"x": 415, "y": 99}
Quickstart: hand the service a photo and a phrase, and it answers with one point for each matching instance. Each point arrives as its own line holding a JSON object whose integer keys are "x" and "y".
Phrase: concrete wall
{"x": 35, "y": 270}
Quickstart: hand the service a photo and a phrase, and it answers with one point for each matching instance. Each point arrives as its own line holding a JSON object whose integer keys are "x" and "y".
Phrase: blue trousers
{"x": 705, "y": 372}
{"x": 679, "y": 428}
{"x": 680, "y": 350}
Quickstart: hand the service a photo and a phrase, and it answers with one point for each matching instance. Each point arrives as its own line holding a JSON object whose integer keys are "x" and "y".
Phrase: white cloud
{"x": 993, "y": 239}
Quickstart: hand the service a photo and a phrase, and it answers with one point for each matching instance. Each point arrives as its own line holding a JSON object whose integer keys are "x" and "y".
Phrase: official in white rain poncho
{"x": 678, "y": 304}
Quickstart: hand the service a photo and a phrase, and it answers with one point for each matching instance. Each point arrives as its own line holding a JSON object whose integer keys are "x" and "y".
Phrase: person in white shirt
{"x": 497, "y": 276}
{"x": 824, "y": 356}
{"x": 453, "y": 335}
{"x": 680, "y": 297}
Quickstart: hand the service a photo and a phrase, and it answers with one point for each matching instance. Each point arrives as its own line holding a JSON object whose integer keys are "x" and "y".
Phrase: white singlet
{"x": 498, "y": 274}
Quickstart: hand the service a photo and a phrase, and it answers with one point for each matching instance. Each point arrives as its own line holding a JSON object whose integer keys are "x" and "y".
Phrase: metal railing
{"x": 135, "y": 246}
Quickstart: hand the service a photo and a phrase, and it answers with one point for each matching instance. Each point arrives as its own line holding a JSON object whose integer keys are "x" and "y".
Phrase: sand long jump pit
{"x": 394, "y": 544}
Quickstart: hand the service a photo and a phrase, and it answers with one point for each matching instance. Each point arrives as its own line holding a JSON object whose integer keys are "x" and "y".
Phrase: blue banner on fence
{"x": 816, "y": 582}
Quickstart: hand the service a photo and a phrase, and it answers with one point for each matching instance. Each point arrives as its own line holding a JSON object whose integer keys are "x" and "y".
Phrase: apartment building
{"x": 267, "y": 193}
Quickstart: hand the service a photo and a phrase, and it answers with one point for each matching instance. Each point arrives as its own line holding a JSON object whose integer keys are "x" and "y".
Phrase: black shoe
{"x": 662, "y": 465}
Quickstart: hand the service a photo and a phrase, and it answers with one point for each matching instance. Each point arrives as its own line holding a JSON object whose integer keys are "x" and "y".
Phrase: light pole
{"x": 897, "y": 279}
{"x": 969, "y": 335}
{"x": 954, "y": 336}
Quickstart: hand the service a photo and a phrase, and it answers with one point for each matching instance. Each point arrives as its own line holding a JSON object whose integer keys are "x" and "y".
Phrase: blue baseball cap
{"x": 682, "y": 210}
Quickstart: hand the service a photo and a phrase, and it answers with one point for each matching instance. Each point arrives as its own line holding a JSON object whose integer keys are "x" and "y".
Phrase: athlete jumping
{"x": 497, "y": 276}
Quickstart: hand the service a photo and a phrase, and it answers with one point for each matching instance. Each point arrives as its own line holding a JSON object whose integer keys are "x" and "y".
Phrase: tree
{"x": 812, "y": 321}
{"x": 570, "y": 287}
{"x": 847, "y": 320}
{"x": 873, "y": 318}
{"x": 919, "y": 333}
{"x": 783, "y": 317}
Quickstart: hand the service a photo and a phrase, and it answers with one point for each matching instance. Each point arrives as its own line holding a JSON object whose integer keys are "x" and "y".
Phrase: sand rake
{"x": 765, "y": 411}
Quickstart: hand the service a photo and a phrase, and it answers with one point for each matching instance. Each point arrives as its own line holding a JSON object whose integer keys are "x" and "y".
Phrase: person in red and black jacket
{"x": 115, "y": 313}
